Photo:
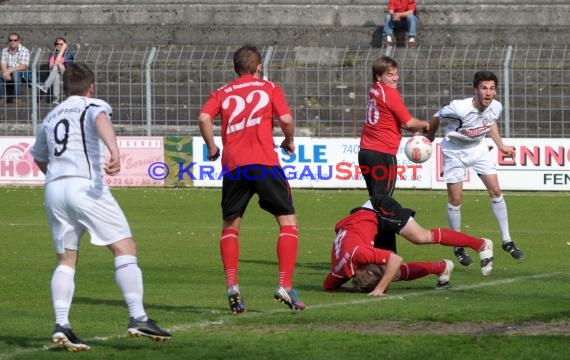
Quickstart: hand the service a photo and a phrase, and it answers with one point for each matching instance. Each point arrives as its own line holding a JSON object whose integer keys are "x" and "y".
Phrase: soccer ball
{"x": 418, "y": 149}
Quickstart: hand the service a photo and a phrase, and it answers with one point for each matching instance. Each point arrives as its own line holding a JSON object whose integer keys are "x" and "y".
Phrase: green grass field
{"x": 521, "y": 311}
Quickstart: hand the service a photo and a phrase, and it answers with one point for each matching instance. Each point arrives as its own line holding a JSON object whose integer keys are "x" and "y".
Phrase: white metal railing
{"x": 159, "y": 91}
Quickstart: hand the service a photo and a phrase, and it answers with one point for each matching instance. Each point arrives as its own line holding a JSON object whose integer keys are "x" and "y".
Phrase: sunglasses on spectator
{"x": 58, "y": 43}
{"x": 13, "y": 40}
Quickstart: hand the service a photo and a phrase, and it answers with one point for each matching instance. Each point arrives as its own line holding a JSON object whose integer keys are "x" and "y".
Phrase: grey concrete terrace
{"x": 284, "y": 22}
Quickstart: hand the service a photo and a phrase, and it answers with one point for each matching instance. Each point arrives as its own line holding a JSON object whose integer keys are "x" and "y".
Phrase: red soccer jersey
{"x": 246, "y": 107}
{"x": 354, "y": 247}
{"x": 384, "y": 118}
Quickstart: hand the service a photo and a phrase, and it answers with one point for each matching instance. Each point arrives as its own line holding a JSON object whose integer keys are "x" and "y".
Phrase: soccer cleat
{"x": 63, "y": 335}
{"x": 237, "y": 304}
{"x": 147, "y": 328}
{"x": 289, "y": 298}
{"x": 463, "y": 258}
{"x": 512, "y": 249}
{"x": 443, "y": 278}
{"x": 486, "y": 256}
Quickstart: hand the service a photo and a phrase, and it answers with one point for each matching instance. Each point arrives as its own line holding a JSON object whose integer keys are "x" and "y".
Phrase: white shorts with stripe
{"x": 457, "y": 159}
{"x": 75, "y": 205}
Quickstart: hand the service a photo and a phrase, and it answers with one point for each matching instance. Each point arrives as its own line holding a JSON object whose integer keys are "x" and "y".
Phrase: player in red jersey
{"x": 354, "y": 248}
{"x": 385, "y": 116}
{"x": 251, "y": 166}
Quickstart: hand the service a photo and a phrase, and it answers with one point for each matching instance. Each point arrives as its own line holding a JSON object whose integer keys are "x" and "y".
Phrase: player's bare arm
{"x": 416, "y": 125}
{"x": 288, "y": 127}
{"x": 107, "y": 134}
{"x": 390, "y": 271}
{"x": 433, "y": 126}
{"x": 207, "y": 132}
{"x": 495, "y": 134}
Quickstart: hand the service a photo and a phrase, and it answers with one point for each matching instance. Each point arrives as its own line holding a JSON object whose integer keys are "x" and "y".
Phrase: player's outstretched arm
{"x": 107, "y": 134}
{"x": 433, "y": 126}
{"x": 416, "y": 125}
{"x": 390, "y": 271}
{"x": 495, "y": 134}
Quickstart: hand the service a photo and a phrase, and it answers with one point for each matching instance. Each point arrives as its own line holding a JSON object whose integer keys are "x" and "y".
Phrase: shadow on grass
{"x": 121, "y": 303}
{"x": 322, "y": 266}
{"x": 24, "y": 341}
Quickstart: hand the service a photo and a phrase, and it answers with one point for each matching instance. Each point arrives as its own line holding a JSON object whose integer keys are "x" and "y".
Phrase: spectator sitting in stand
{"x": 59, "y": 59}
{"x": 400, "y": 14}
{"x": 14, "y": 67}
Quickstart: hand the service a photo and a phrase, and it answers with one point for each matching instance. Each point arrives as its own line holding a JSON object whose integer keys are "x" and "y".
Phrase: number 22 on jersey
{"x": 245, "y": 112}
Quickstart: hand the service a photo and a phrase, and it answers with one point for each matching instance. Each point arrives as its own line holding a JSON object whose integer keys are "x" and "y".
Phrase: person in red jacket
{"x": 251, "y": 166}
{"x": 400, "y": 14}
{"x": 353, "y": 247}
{"x": 386, "y": 115}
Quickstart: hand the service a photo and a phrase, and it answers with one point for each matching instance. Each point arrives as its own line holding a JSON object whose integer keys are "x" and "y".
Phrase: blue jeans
{"x": 16, "y": 82}
{"x": 410, "y": 23}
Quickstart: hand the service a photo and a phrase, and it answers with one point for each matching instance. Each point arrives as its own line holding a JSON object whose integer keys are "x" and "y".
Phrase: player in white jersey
{"x": 463, "y": 146}
{"x": 69, "y": 150}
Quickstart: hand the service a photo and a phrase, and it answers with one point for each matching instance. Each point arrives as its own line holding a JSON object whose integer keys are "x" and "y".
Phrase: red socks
{"x": 287, "y": 246}
{"x": 229, "y": 249}
{"x": 455, "y": 238}
{"x": 415, "y": 270}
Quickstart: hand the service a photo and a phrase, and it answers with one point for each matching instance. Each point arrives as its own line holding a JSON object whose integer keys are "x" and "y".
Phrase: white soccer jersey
{"x": 466, "y": 124}
{"x": 68, "y": 139}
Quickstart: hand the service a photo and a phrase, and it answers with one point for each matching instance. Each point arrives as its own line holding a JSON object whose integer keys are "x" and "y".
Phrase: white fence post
{"x": 149, "y": 101}
{"x": 507, "y": 86}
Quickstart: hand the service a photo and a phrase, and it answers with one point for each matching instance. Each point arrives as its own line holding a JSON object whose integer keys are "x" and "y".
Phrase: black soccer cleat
{"x": 64, "y": 336}
{"x": 512, "y": 249}
{"x": 462, "y": 256}
{"x": 147, "y": 328}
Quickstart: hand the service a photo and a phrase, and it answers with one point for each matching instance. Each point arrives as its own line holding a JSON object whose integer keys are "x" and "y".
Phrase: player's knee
{"x": 125, "y": 246}
{"x": 495, "y": 193}
{"x": 454, "y": 200}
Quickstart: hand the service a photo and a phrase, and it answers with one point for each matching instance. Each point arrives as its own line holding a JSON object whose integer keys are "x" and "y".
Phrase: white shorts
{"x": 457, "y": 159}
{"x": 75, "y": 205}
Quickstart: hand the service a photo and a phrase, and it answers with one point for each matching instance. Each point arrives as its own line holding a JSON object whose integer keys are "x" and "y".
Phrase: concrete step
{"x": 280, "y": 14}
{"x": 319, "y": 23}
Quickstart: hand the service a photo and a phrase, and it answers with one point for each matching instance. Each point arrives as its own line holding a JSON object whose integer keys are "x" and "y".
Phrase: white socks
{"x": 499, "y": 207}
{"x": 454, "y": 217}
{"x": 129, "y": 279}
{"x": 128, "y": 276}
{"x": 62, "y": 288}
